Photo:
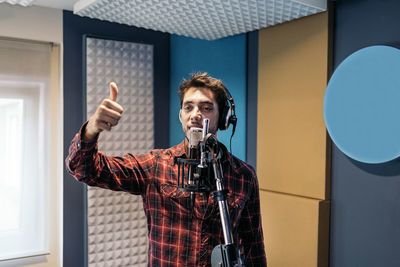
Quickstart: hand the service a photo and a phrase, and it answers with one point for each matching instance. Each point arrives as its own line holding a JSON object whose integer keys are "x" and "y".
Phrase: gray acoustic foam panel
{"x": 117, "y": 226}
{"x": 204, "y": 19}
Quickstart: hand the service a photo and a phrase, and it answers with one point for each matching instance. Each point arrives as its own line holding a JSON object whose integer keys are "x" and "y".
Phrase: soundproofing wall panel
{"x": 295, "y": 230}
{"x": 292, "y": 76}
{"x": 292, "y": 163}
{"x": 116, "y": 223}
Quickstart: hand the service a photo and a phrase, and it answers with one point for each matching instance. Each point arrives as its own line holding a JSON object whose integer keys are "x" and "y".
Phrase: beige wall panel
{"x": 295, "y": 230}
{"x": 291, "y": 153}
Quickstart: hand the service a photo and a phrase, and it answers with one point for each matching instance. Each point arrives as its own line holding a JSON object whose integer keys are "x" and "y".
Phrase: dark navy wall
{"x": 252, "y": 98}
{"x": 75, "y": 28}
{"x": 365, "y": 214}
{"x": 224, "y": 59}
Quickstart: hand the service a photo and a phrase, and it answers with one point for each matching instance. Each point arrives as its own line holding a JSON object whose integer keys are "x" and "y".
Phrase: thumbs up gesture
{"x": 107, "y": 115}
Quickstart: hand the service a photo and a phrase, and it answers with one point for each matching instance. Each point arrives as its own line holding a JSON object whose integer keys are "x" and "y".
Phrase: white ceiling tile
{"x": 18, "y": 2}
{"x": 204, "y": 19}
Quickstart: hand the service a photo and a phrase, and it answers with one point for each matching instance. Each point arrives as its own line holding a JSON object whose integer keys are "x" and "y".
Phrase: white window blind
{"x": 24, "y": 148}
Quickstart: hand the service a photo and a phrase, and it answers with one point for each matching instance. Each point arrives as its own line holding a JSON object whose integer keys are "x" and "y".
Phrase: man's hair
{"x": 204, "y": 80}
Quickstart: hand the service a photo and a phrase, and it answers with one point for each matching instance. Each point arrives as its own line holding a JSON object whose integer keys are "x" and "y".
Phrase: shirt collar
{"x": 178, "y": 150}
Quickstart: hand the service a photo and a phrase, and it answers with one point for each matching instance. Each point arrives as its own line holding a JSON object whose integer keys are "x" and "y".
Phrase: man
{"x": 180, "y": 233}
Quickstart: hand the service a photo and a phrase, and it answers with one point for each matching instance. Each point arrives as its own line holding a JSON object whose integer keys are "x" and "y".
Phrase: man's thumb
{"x": 113, "y": 91}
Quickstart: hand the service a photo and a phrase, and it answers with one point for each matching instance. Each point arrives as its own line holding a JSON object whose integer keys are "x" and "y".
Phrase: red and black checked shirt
{"x": 179, "y": 234}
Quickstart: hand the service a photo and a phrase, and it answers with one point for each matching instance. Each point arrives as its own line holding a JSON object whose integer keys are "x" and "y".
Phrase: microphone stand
{"x": 223, "y": 255}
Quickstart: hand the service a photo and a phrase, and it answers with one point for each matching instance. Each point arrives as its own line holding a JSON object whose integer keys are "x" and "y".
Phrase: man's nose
{"x": 196, "y": 114}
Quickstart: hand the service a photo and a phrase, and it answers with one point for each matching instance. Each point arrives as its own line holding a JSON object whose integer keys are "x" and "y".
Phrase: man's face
{"x": 199, "y": 103}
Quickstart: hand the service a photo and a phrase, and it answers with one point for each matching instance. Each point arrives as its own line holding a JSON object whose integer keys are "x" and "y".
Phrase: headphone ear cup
{"x": 224, "y": 117}
{"x": 228, "y": 114}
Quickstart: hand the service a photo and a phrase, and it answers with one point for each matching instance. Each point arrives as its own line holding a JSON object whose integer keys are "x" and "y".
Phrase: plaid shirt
{"x": 179, "y": 234}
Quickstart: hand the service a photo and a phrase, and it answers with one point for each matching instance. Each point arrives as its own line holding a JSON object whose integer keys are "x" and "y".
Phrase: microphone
{"x": 192, "y": 170}
{"x": 195, "y": 136}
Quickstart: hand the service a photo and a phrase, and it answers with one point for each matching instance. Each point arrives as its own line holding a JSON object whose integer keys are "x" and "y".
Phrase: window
{"x": 24, "y": 149}
{"x": 10, "y": 163}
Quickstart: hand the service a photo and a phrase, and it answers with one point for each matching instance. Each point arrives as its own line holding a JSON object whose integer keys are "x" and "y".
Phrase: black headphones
{"x": 228, "y": 115}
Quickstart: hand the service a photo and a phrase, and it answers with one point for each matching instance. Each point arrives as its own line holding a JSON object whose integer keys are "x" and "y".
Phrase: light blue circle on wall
{"x": 362, "y": 105}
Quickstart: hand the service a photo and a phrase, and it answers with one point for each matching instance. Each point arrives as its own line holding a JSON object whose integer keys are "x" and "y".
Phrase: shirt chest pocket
{"x": 235, "y": 204}
{"x": 175, "y": 203}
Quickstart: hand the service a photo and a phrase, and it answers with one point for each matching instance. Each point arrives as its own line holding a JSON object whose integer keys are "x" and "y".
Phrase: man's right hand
{"x": 106, "y": 116}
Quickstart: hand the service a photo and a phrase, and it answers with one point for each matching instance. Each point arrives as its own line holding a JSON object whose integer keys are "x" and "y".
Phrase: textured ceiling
{"x": 204, "y": 19}
{"x": 18, "y": 2}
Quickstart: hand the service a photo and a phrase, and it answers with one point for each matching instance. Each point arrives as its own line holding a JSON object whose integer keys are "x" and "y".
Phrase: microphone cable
{"x": 231, "y": 158}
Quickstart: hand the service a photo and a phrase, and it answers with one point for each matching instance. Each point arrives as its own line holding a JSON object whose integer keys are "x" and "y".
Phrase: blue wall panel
{"x": 365, "y": 214}
{"x": 224, "y": 59}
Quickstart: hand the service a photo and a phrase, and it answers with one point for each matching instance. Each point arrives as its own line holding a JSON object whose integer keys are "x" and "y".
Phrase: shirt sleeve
{"x": 250, "y": 230}
{"x": 86, "y": 164}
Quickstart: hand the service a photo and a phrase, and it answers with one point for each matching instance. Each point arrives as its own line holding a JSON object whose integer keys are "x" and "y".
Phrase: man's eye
{"x": 208, "y": 109}
{"x": 187, "y": 108}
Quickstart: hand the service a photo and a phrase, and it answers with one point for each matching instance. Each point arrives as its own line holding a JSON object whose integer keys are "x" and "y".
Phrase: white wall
{"x": 44, "y": 24}
{"x": 33, "y": 23}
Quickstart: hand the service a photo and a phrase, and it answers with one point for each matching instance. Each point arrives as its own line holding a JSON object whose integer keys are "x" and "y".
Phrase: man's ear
{"x": 180, "y": 116}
